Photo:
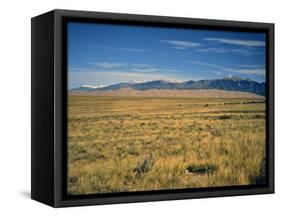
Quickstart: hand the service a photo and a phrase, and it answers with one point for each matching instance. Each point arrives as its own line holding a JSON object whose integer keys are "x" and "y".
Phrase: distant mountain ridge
{"x": 228, "y": 84}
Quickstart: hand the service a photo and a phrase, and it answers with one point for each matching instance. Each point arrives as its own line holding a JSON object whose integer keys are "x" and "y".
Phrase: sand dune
{"x": 210, "y": 93}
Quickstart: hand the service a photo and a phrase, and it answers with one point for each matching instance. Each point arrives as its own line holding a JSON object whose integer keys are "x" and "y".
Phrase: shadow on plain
{"x": 25, "y": 194}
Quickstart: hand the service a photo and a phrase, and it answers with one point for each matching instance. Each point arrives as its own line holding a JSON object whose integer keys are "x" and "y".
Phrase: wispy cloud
{"x": 252, "y": 71}
{"x": 141, "y": 65}
{"x": 181, "y": 45}
{"x": 146, "y": 70}
{"x": 103, "y": 77}
{"x": 250, "y": 66}
{"x": 76, "y": 69}
{"x": 208, "y": 64}
{"x": 134, "y": 67}
{"x": 154, "y": 69}
{"x": 224, "y": 50}
{"x": 249, "y": 71}
{"x": 251, "y": 43}
{"x": 109, "y": 64}
{"x": 131, "y": 49}
{"x": 126, "y": 49}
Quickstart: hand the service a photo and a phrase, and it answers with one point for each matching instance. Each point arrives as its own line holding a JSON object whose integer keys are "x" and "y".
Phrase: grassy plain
{"x": 119, "y": 144}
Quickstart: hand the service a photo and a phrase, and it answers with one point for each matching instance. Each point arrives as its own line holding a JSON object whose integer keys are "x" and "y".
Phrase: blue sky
{"x": 103, "y": 54}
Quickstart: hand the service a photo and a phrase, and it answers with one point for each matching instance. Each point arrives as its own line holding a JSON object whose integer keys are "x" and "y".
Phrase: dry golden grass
{"x": 118, "y": 144}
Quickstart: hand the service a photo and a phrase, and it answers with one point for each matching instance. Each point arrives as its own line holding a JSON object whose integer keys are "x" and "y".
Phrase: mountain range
{"x": 227, "y": 84}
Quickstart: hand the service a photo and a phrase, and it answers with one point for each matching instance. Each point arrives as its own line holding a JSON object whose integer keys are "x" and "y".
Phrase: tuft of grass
{"x": 215, "y": 132}
{"x": 145, "y": 165}
{"x": 224, "y": 117}
{"x": 201, "y": 169}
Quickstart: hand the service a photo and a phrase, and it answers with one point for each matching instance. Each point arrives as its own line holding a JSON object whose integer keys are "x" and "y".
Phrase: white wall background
{"x": 15, "y": 106}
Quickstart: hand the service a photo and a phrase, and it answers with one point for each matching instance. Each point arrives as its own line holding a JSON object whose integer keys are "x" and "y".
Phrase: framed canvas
{"x": 134, "y": 108}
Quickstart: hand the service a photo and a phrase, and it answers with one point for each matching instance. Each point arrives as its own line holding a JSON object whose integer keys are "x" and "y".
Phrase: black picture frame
{"x": 49, "y": 101}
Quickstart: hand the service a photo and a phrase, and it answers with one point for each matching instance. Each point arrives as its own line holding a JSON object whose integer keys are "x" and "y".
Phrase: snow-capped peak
{"x": 171, "y": 80}
{"x": 91, "y": 86}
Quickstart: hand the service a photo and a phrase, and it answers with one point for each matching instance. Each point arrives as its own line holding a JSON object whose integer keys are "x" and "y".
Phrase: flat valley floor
{"x": 121, "y": 144}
